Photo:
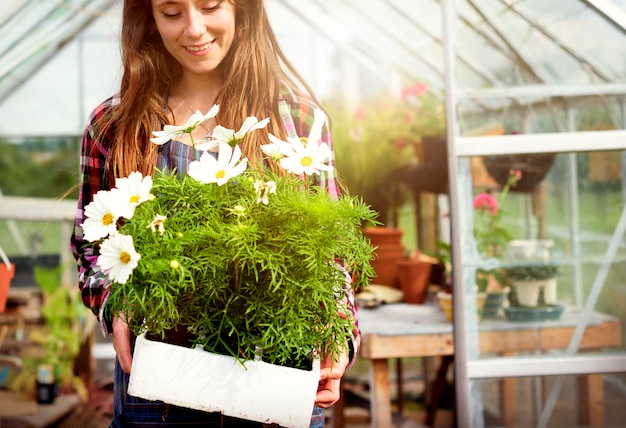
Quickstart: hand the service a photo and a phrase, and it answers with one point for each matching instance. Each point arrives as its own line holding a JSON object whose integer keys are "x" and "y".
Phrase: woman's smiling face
{"x": 197, "y": 33}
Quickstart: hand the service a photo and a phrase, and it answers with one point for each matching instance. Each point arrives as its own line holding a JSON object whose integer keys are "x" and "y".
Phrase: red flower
{"x": 401, "y": 142}
{"x": 484, "y": 201}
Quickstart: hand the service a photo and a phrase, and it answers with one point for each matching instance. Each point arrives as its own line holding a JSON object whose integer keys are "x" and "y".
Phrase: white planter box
{"x": 200, "y": 380}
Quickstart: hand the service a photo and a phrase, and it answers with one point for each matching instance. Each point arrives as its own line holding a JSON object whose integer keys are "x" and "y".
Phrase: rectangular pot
{"x": 201, "y": 380}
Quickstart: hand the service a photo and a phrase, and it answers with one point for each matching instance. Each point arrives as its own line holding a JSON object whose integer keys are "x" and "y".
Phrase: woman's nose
{"x": 195, "y": 25}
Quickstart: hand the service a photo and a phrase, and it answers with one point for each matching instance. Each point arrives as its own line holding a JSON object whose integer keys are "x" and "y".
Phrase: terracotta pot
{"x": 383, "y": 236}
{"x": 386, "y": 272}
{"x": 389, "y": 250}
{"x": 385, "y": 264}
{"x": 414, "y": 276}
{"x": 6, "y": 275}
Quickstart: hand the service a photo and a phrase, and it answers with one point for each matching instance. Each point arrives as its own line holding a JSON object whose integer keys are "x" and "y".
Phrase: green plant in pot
{"x": 234, "y": 275}
{"x": 532, "y": 284}
{"x": 382, "y": 135}
{"x": 250, "y": 262}
{"x": 491, "y": 241}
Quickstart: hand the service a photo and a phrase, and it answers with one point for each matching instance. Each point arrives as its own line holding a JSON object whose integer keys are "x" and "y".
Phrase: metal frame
{"x": 468, "y": 366}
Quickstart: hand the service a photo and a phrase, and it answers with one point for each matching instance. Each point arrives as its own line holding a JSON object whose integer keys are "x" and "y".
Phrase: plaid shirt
{"x": 296, "y": 111}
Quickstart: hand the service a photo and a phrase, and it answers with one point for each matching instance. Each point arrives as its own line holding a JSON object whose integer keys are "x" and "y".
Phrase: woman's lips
{"x": 199, "y": 48}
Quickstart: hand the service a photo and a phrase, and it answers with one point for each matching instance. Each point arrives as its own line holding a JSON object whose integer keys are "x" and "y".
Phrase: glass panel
{"x": 538, "y": 42}
{"x": 555, "y": 401}
{"x": 554, "y": 249}
{"x": 85, "y": 71}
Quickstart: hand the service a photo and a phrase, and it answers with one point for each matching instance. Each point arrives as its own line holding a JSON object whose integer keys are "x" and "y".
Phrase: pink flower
{"x": 516, "y": 174}
{"x": 484, "y": 201}
{"x": 360, "y": 113}
{"x": 408, "y": 116}
{"x": 418, "y": 90}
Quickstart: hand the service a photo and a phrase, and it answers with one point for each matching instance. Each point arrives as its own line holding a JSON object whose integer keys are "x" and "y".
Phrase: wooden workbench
{"x": 402, "y": 331}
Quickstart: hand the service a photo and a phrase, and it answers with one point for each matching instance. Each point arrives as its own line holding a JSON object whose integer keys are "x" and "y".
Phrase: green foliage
{"x": 240, "y": 274}
{"x": 530, "y": 272}
{"x": 381, "y": 136}
{"x": 34, "y": 169}
{"x": 62, "y": 313}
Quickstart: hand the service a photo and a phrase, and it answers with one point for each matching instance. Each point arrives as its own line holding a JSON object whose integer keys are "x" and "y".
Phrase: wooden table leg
{"x": 591, "y": 400}
{"x": 437, "y": 388}
{"x": 339, "y": 417}
{"x": 399, "y": 386}
{"x": 380, "y": 402}
{"x": 508, "y": 400}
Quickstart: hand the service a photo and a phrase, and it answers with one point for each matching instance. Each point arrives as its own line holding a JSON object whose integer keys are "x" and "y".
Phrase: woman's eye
{"x": 212, "y": 6}
{"x": 170, "y": 13}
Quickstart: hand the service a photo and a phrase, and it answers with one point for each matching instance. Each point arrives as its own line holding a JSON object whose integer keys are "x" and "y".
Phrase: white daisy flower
{"x": 228, "y": 164}
{"x": 225, "y": 135}
{"x": 171, "y": 131}
{"x": 298, "y": 157}
{"x": 118, "y": 257}
{"x": 134, "y": 190}
{"x": 101, "y": 215}
{"x": 158, "y": 224}
{"x": 263, "y": 191}
{"x": 308, "y": 160}
{"x": 277, "y": 149}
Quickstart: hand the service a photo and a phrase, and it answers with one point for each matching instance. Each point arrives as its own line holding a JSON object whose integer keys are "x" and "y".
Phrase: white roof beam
{"x": 610, "y": 11}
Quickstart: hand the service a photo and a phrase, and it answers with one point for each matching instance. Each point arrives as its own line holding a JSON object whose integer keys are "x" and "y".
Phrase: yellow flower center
{"x": 107, "y": 219}
{"x": 124, "y": 257}
{"x": 220, "y": 174}
{"x": 134, "y": 199}
{"x": 306, "y": 161}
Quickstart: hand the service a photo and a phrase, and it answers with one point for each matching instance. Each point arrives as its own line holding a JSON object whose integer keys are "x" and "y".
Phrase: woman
{"x": 180, "y": 56}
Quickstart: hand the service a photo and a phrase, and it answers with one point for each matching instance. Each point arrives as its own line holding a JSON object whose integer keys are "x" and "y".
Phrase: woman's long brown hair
{"x": 253, "y": 72}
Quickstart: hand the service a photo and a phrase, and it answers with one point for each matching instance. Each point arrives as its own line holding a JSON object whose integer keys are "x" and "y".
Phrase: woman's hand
{"x": 121, "y": 343}
{"x": 329, "y": 388}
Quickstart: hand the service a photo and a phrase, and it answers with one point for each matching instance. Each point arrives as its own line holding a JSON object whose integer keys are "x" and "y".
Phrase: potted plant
{"x": 491, "y": 242}
{"x": 61, "y": 337}
{"x": 226, "y": 272}
{"x": 381, "y": 136}
{"x": 533, "y": 284}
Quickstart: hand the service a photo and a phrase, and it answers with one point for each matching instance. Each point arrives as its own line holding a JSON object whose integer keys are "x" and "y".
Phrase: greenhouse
{"x": 489, "y": 135}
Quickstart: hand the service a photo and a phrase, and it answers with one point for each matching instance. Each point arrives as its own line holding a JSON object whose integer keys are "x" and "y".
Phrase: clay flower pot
{"x": 414, "y": 276}
{"x": 389, "y": 250}
{"x": 7, "y": 272}
{"x": 383, "y": 235}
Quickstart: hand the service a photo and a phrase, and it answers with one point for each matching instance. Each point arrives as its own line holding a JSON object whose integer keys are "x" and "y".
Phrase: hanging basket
{"x": 201, "y": 380}
{"x": 7, "y": 272}
{"x": 534, "y": 168}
